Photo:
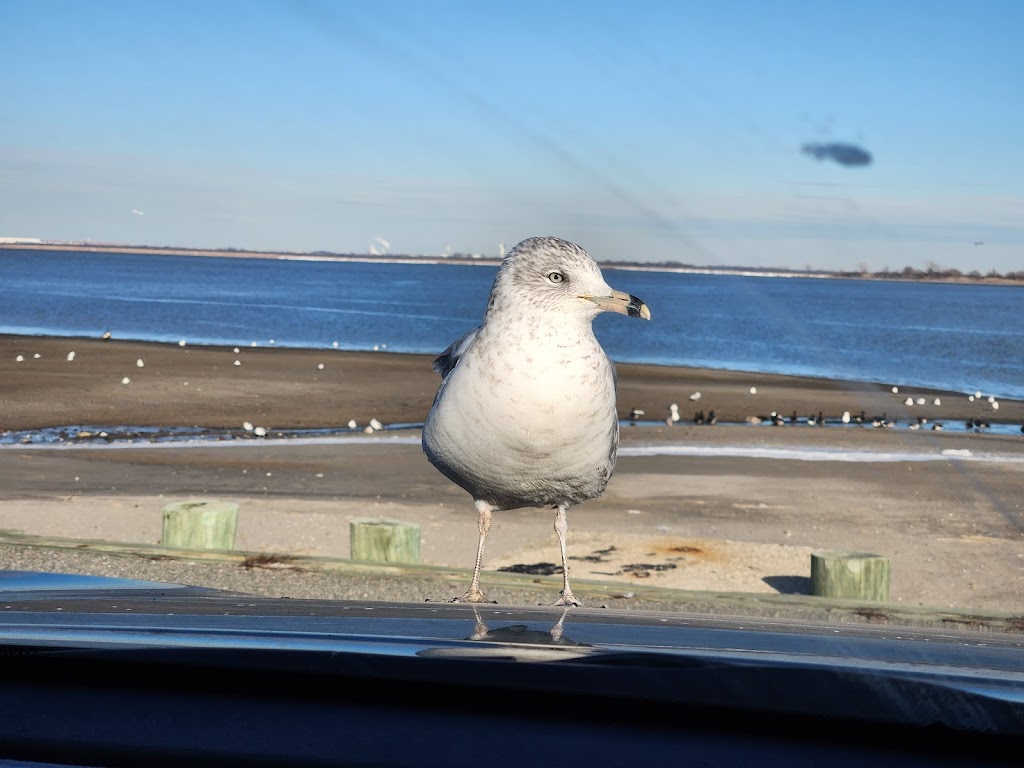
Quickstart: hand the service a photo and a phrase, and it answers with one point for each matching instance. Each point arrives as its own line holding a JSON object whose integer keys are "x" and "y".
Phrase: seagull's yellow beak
{"x": 620, "y": 302}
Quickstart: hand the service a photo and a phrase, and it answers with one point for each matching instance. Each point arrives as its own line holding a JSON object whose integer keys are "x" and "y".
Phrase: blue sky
{"x": 644, "y": 131}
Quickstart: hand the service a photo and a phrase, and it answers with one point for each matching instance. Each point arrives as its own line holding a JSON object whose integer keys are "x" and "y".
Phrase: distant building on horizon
{"x": 21, "y": 241}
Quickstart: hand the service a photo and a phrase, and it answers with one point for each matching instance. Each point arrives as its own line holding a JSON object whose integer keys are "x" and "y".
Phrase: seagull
{"x": 673, "y": 414}
{"x": 525, "y": 414}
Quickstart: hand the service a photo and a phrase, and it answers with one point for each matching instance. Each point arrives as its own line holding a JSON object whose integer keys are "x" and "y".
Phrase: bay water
{"x": 959, "y": 337}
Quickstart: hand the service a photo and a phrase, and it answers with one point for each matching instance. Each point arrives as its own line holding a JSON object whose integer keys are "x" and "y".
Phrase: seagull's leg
{"x": 561, "y": 528}
{"x": 483, "y": 523}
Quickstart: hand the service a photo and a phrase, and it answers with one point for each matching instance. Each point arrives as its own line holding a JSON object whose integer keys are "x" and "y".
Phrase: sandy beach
{"x": 734, "y": 507}
{"x": 294, "y": 388}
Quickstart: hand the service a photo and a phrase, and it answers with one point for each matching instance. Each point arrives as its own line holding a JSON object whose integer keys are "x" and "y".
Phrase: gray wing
{"x": 445, "y": 362}
{"x": 613, "y": 448}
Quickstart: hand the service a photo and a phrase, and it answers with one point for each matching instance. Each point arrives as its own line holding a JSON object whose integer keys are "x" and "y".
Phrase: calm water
{"x": 956, "y": 337}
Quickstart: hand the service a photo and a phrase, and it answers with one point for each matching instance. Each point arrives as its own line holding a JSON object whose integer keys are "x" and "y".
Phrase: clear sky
{"x": 646, "y": 131}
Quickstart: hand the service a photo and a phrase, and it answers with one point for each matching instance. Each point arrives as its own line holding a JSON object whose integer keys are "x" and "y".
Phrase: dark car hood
{"x": 98, "y": 654}
{"x": 71, "y": 611}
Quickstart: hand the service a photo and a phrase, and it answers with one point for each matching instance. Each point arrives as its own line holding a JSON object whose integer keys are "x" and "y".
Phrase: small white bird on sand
{"x": 525, "y": 415}
{"x": 673, "y": 414}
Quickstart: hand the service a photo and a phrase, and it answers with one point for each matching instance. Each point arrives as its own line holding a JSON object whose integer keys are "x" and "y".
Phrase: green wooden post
{"x": 200, "y": 524}
{"x": 850, "y": 575}
{"x": 388, "y": 541}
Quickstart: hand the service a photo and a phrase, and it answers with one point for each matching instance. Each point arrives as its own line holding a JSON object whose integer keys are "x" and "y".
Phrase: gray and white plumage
{"x": 525, "y": 415}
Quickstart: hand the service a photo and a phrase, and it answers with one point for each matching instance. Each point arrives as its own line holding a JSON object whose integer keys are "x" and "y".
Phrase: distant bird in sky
{"x": 844, "y": 154}
{"x": 525, "y": 415}
{"x": 137, "y": 212}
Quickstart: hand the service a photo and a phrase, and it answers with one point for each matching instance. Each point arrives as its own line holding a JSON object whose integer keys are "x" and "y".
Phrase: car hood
{"x": 51, "y": 611}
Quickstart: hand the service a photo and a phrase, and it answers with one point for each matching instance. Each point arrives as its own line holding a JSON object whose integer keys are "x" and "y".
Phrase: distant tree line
{"x": 931, "y": 272}
{"x": 934, "y": 272}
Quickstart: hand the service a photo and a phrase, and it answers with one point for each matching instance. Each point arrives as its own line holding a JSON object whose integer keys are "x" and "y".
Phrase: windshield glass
{"x": 242, "y": 246}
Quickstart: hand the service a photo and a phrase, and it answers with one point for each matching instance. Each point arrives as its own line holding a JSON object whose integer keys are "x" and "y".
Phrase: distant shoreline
{"x": 493, "y": 262}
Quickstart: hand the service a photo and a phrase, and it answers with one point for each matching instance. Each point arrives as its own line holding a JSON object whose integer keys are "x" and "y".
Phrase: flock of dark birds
{"x": 813, "y": 420}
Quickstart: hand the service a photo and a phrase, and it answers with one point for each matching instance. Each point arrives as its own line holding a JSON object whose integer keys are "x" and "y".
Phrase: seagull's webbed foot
{"x": 473, "y": 596}
{"x": 568, "y": 599}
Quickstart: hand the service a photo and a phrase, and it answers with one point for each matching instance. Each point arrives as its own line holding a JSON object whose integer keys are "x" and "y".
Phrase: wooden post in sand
{"x": 388, "y": 541}
{"x": 850, "y": 575}
{"x": 200, "y": 524}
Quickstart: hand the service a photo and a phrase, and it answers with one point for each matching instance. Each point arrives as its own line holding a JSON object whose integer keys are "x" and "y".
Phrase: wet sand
{"x": 287, "y": 388}
{"x": 739, "y": 512}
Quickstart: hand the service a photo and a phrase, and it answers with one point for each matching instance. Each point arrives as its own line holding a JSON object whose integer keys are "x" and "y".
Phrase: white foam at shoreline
{"x": 661, "y": 449}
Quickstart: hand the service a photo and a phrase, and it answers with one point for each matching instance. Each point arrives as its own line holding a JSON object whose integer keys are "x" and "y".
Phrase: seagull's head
{"x": 557, "y": 277}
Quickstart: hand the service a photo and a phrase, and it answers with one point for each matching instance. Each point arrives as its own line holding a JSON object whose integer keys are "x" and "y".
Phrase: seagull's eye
{"x": 556, "y": 277}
